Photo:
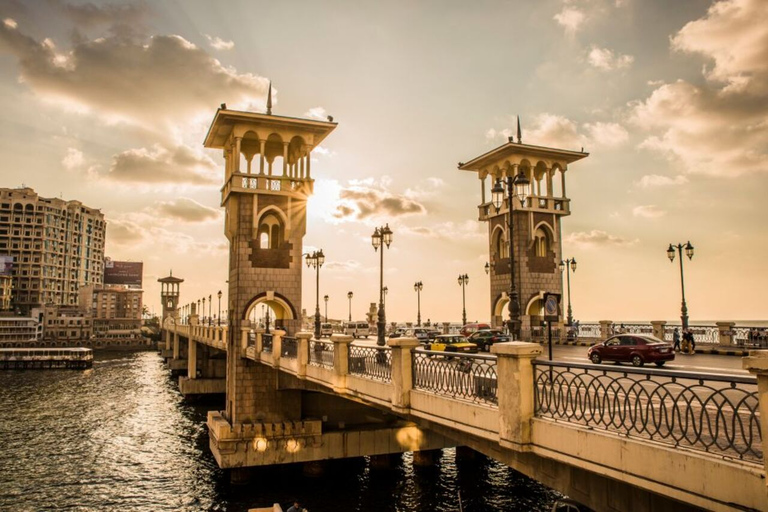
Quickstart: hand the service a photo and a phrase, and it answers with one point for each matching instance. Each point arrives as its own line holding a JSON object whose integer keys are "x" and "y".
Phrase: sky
{"x": 108, "y": 103}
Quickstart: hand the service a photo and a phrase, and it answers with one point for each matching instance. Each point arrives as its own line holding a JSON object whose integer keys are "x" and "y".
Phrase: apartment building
{"x": 116, "y": 310}
{"x": 57, "y": 246}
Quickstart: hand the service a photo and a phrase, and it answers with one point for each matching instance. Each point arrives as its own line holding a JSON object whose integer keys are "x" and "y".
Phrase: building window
{"x": 541, "y": 243}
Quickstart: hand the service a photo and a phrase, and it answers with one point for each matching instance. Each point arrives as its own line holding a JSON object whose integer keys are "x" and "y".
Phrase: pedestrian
{"x": 676, "y": 340}
{"x": 691, "y": 341}
{"x": 296, "y": 507}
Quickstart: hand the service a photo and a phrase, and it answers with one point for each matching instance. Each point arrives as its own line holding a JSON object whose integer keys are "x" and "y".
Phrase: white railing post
{"x": 277, "y": 346}
{"x": 515, "y": 378}
{"x": 725, "y": 333}
{"x": 402, "y": 371}
{"x": 605, "y": 329}
{"x": 341, "y": 344}
{"x": 757, "y": 364}
{"x": 658, "y": 328}
{"x": 302, "y": 353}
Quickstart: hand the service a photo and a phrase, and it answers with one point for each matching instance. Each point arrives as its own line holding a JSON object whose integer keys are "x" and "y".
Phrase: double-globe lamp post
{"x": 417, "y": 287}
{"x": 463, "y": 281}
{"x": 316, "y": 260}
{"x": 218, "y": 318}
{"x": 326, "y": 307}
{"x": 349, "y": 296}
{"x": 517, "y": 186}
{"x": 671, "y": 255}
{"x": 381, "y": 237}
{"x": 569, "y": 265}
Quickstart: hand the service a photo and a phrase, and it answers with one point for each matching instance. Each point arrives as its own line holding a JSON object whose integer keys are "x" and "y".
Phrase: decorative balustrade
{"x": 371, "y": 362}
{"x": 266, "y": 343}
{"x": 539, "y": 334}
{"x": 467, "y": 376}
{"x": 685, "y": 409}
{"x": 588, "y": 331}
{"x": 289, "y": 347}
{"x": 321, "y": 353}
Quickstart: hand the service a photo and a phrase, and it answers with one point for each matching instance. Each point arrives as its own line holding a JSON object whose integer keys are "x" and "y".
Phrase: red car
{"x": 637, "y": 349}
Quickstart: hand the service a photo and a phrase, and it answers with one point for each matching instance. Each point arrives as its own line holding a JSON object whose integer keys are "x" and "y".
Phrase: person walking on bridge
{"x": 676, "y": 340}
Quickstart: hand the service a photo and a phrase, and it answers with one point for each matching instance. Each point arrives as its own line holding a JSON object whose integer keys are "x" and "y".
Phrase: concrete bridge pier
{"x": 206, "y": 371}
{"x": 385, "y": 461}
{"x": 178, "y": 361}
{"x": 426, "y": 458}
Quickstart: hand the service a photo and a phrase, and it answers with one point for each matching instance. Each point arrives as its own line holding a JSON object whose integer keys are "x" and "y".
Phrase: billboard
{"x": 6, "y": 265}
{"x": 128, "y": 273}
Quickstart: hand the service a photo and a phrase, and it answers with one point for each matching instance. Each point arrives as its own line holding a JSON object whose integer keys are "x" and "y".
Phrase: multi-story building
{"x": 57, "y": 246}
{"x": 6, "y": 286}
{"x": 68, "y": 325}
{"x": 15, "y": 330}
{"x": 116, "y": 310}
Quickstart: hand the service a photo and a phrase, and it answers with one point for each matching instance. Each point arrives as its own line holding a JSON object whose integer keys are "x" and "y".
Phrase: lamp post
{"x": 198, "y": 311}
{"x": 219, "y": 317}
{"x": 203, "y": 313}
{"x": 349, "y": 296}
{"x": 569, "y": 265}
{"x": 517, "y": 186}
{"x": 487, "y": 268}
{"x": 210, "y": 305}
{"x": 463, "y": 281}
{"x": 381, "y": 237}
{"x": 326, "y": 307}
{"x": 316, "y": 260}
{"x": 671, "y": 255}
{"x": 417, "y": 287}
{"x": 386, "y": 291}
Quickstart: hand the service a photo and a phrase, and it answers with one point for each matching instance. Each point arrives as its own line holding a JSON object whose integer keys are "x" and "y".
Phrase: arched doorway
{"x": 500, "y": 311}
{"x": 270, "y": 310}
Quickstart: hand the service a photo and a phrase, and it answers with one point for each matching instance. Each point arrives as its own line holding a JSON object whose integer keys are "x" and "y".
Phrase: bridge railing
{"x": 289, "y": 347}
{"x": 466, "y": 376}
{"x": 266, "y": 343}
{"x": 371, "y": 362}
{"x": 321, "y": 353}
{"x": 712, "y": 413}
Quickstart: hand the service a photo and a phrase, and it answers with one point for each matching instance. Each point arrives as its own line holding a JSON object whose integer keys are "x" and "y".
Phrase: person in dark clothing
{"x": 676, "y": 340}
{"x": 691, "y": 340}
{"x": 296, "y": 507}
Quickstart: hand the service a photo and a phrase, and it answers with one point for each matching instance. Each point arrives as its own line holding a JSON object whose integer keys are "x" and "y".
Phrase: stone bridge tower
{"x": 536, "y": 246}
{"x": 267, "y": 180}
{"x": 169, "y": 295}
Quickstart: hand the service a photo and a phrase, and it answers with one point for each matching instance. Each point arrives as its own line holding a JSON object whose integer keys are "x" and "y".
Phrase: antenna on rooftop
{"x": 269, "y": 99}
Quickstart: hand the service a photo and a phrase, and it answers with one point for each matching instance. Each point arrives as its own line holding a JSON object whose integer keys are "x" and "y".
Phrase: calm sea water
{"x": 120, "y": 437}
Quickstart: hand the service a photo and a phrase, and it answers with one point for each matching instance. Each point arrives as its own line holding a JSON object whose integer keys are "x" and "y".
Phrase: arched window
{"x": 270, "y": 234}
{"x": 541, "y": 243}
{"x": 500, "y": 246}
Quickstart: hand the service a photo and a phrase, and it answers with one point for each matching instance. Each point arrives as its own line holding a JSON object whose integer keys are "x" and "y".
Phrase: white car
{"x": 357, "y": 329}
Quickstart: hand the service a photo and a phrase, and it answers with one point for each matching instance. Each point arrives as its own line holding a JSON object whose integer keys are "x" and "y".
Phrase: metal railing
{"x": 372, "y": 362}
{"x": 266, "y": 343}
{"x": 712, "y": 413}
{"x": 467, "y": 376}
{"x": 321, "y": 353}
{"x": 539, "y": 334}
{"x": 289, "y": 347}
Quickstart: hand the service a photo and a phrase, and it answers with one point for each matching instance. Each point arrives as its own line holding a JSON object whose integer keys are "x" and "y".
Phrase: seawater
{"x": 120, "y": 437}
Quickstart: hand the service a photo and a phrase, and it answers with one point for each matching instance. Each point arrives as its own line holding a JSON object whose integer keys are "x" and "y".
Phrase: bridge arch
{"x": 281, "y": 307}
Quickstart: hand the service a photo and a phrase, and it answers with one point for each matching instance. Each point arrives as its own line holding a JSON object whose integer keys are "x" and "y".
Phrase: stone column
{"x": 302, "y": 354}
{"x": 245, "y": 329}
{"x": 658, "y": 328}
{"x": 725, "y": 333}
{"x": 515, "y": 391}
{"x": 167, "y": 339}
{"x": 402, "y": 372}
{"x": 262, "y": 145}
{"x": 191, "y": 359}
{"x": 446, "y": 327}
{"x": 341, "y": 344}
{"x": 285, "y": 158}
{"x": 176, "y": 346}
{"x": 259, "y": 341}
{"x": 757, "y": 364}
{"x": 605, "y": 329}
{"x": 277, "y": 346}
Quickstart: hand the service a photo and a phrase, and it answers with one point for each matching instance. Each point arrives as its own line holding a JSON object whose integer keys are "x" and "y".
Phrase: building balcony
{"x": 544, "y": 204}
{"x": 260, "y": 183}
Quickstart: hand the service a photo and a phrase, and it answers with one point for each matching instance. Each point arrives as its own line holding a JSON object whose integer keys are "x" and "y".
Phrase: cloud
{"x": 219, "y": 43}
{"x": 597, "y": 237}
{"x": 361, "y": 202}
{"x": 571, "y": 19}
{"x": 73, "y": 159}
{"x": 160, "y": 164}
{"x": 606, "y": 60}
{"x": 648, "y": 211}
{"x": 318, "y": 113}
{"x": 468, "y": 230}
{"x": 137, "y": 232}
{"x": 88, "y": 14}
{"x": 558, "y": 131}
{"x": 606, "y": 134}
{"x": 10, "y": 23}
{"x": 655, "y": 180}
{"x": 154, "y": 83}
{"x": 343, "y": 266}
{"x": 185, "y": 210}
{"x": 720, "y": 127}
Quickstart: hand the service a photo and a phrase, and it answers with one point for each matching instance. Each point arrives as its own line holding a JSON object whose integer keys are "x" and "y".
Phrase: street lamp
{"x": 316, "y": 260}
{"x": 198, "y": 311}
{"x": 210, "y": 305}
{"x": 326, "y": 307}
{"x": 487, "y": 268}
{"x": 569, "y": 265}
{"x": 517, "y": 186}
{"x": 219, "y": 317}
{"x": 417, "y": 287}
{"x": 349, "y": 296}
{"x": 386, "y": 291}
{"x": 203, "y": 313}
{"x": 380, "y": 238}
{"x": 671, "y": 255}
{"x": 463, "y": 281}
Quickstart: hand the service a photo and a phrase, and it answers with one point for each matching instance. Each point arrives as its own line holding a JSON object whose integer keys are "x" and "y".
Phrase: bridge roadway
{"x": 539, "y": 427}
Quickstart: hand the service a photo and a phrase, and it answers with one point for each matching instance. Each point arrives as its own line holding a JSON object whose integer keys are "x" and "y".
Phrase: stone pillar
{"x": 446, "y": 327}
{"x": 757, "y": 364}
{"x": 259, "y": 340}
{"x": 515, "y": 391}
{"x": 302, "y": 354}
{"x": 341, "y": 344}
{"x": 192, "y": 359}
{"x": 725, "y": 333}
{"x": 167, "y": 339}
{"x": 658, "y": 328}
{"x": 176, "y": 346}
{"x": 245, "y": 330}
{"x": 402, "y": 372}
{"x": 262, "y": 145}
{"x": 277, "y": 347}
{"x": 605, "y": 329}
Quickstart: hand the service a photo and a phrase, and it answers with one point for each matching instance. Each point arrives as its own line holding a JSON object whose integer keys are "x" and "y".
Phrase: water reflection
{"x": 119, "y": 436}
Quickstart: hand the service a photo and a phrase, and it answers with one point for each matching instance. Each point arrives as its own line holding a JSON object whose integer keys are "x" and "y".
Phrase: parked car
{"x": 357, "y": 329}
{"x": 470, "y": 328}
{"x": 637, "y": 349}
{"x": 431, "y": 333}
{"x": 452, "y": 343}
{"x": 487, "y": 337}
{"x": 326, "y": 330}
{"x": 421, "y": 334}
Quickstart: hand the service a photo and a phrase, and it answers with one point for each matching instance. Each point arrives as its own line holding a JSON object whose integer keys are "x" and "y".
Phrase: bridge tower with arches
{"x": 536, "y": 248}
{"x": 267, "y": 181}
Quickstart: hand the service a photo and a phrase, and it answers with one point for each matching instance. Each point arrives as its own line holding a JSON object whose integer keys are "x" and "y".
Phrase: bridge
{"x": 611, "y": 438}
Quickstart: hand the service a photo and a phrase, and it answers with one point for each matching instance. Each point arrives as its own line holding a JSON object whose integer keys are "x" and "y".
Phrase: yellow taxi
{"x": 452, "y": 343}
